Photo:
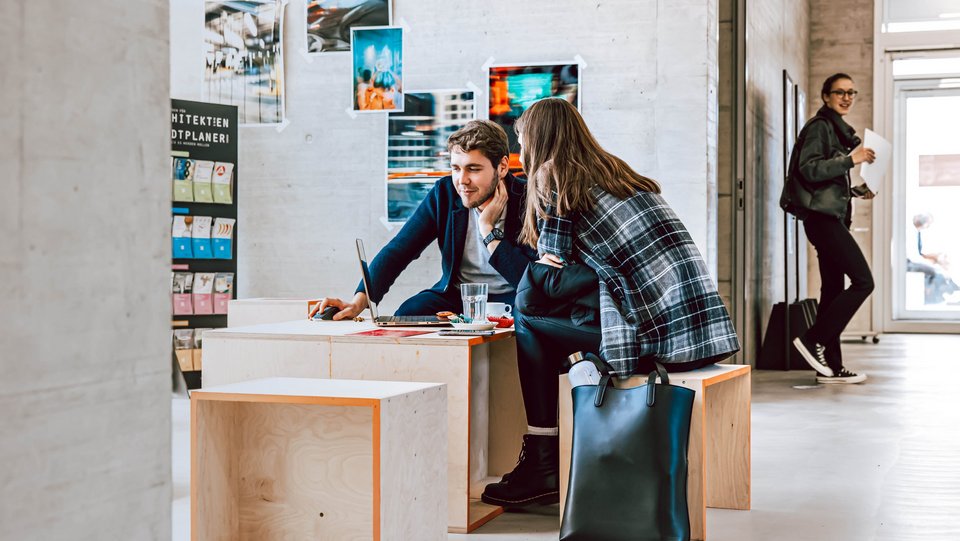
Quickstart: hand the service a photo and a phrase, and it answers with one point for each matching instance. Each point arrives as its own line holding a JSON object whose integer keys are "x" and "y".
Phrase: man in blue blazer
{"x": 474, "y": 215}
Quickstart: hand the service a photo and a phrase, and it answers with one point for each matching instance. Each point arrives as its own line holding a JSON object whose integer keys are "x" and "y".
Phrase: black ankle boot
{"x": 535, "y": 479}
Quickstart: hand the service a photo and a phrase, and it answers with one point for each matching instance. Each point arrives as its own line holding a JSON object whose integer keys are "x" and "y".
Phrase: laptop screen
{"x": 365, "y": 274}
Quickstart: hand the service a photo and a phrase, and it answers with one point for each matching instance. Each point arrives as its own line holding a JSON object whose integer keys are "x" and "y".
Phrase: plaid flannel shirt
{"x": 657, "y": 299}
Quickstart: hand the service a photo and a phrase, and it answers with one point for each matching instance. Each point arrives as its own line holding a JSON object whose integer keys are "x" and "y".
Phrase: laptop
{"x": 391, "y": 321}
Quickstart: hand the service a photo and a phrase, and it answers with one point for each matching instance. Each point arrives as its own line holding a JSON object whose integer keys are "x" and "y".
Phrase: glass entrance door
{"x": 926, "y": 191}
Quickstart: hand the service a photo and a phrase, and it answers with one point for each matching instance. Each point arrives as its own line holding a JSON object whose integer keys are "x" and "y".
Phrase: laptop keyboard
{"x": 407, "y": 319}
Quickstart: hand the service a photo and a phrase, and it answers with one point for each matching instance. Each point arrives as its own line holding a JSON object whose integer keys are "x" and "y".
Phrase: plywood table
{"x": 719, "y": 449}
{"x": 287, "y": 458}
{"x": 485, "y": 416}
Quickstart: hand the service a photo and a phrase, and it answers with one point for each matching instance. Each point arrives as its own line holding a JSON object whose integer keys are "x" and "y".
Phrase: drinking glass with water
{"x": 474, "y": 301}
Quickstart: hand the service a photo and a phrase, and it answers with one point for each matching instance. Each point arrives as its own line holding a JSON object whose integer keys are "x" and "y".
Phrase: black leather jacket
{"x": 821, "y": 162}
{"x": 572, "y": 291}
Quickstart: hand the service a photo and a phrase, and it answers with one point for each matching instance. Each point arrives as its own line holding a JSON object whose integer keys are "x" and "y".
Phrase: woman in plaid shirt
{"x": 657, "y": 300}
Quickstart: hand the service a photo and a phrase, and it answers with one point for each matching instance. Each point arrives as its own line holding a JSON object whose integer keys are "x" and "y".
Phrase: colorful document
{"x": 222, "y": 237}
{"x": 182, "y": 293}
{"x": 183, "y": 171}
{"x": 202, "y": 248}
{"x": 181, "y": 235}
{"x": 223, "y": 183}
{"x": 203, "y": 292}
{"x": 202, "y": 181}
{"x": 222, "y": 292}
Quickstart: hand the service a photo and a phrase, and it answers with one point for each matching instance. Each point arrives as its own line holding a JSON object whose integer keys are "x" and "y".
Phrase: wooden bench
{"x": 719, "y": 449}
{"x": 288, "y": 458}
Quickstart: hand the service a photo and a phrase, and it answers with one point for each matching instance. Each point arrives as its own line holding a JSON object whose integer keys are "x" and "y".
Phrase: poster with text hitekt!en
{"x": 377, "y": 69}
{"x": 417, "y": 154}
{"x": 514, "y": 88}
{"x": 329, "y": 22}
{"x": 244, "y": 58}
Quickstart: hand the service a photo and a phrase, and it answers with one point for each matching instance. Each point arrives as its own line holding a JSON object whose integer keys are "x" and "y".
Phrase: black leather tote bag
{"x": 628, "y": 467}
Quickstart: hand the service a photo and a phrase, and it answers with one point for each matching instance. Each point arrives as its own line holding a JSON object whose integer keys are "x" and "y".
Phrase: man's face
{"x": 474, "y": 176}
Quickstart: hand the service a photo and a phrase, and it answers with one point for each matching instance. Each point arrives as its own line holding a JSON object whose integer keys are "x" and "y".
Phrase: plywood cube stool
{"x": 719, "y": 450}
{"x": 292, "y": 458}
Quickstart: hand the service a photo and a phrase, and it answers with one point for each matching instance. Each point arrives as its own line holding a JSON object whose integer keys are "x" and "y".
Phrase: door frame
{"x": 884, "y": 111}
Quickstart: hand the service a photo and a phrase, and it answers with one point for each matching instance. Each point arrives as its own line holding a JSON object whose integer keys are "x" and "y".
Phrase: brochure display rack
{"x": 203, "y": 176}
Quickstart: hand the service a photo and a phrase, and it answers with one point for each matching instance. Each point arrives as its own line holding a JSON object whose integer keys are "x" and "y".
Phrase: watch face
{"x": 495, "y": 234}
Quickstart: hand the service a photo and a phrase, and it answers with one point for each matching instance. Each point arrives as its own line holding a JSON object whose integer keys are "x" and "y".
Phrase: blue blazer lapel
{"x": 454, "y": 256}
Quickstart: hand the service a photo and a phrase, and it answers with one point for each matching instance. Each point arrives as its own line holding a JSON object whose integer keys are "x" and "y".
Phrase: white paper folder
{"x": 873, "y": 173}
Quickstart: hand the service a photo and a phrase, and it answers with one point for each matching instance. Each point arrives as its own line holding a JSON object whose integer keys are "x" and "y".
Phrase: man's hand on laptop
{"x": 348, "y": 310}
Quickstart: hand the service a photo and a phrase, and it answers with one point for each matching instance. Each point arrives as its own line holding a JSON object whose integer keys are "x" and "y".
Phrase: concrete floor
{"x": 876, "y": 461}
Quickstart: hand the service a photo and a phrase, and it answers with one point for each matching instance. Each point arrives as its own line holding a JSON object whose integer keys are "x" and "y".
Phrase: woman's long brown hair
{"x": 563, "y": 161}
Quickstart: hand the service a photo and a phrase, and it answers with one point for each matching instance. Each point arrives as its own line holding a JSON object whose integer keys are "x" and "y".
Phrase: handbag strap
{"x": 652, "y": 383}
{"x": 606, "y": 377}
{"x": 606, "y": 380}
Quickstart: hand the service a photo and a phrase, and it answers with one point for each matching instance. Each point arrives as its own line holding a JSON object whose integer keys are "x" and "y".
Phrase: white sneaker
{"x": 812, "y": 352}
{"x": 844, "y": 376}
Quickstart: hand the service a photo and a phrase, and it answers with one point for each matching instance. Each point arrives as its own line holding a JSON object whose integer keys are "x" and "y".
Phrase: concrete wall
{"x": 84, "y": 271}
{"x": 649, "y": 93}
{"x": 777, "y": 37}
{"x": 841, "y": 40}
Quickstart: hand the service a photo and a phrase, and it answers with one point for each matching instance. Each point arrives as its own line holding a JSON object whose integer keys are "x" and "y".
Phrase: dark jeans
{"x": 543, "y": 344}
{"x": 429, "y": 302}
{"x": 838, "y": 256}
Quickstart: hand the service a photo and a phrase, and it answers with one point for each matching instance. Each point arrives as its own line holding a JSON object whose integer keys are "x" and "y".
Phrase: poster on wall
{"x": 244, "y": 58}
{"x": 514, "y": 88}
{"x": 417, "y": 154}
{"x": 377, "y": 69}
{"x": 329, "y": 22}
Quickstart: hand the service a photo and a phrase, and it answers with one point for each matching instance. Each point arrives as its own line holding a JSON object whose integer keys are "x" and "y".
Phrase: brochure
{"x": 183, "y": 171}
{"x": 223, "y": 183}
{"x": 203, "y": 292}
{"x": 223, "y": 238}
{"x": 182, "y": 243}
{"x": 222, "y": 292}
{"x": 202, "y": 249}
{"x": 183, "y": 348}
{"x": 202, "y": 181}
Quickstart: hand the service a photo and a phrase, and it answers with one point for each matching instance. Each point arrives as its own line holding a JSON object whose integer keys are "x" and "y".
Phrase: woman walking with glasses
{"x": 820, "y": 164}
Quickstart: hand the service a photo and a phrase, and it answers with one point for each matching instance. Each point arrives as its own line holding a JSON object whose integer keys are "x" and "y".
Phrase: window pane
{"x": 932, "y": 176}
{"x": 417, "y": 146}
{"x": 920, "y": 15}
{"x": 908, "y": 67}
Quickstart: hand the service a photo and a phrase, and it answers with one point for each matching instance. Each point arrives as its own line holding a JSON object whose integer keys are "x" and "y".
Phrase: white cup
{"x": 499, "y": 309}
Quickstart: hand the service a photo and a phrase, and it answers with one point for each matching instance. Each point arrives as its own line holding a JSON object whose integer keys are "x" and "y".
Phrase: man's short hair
{"x": 483, "y": 135}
